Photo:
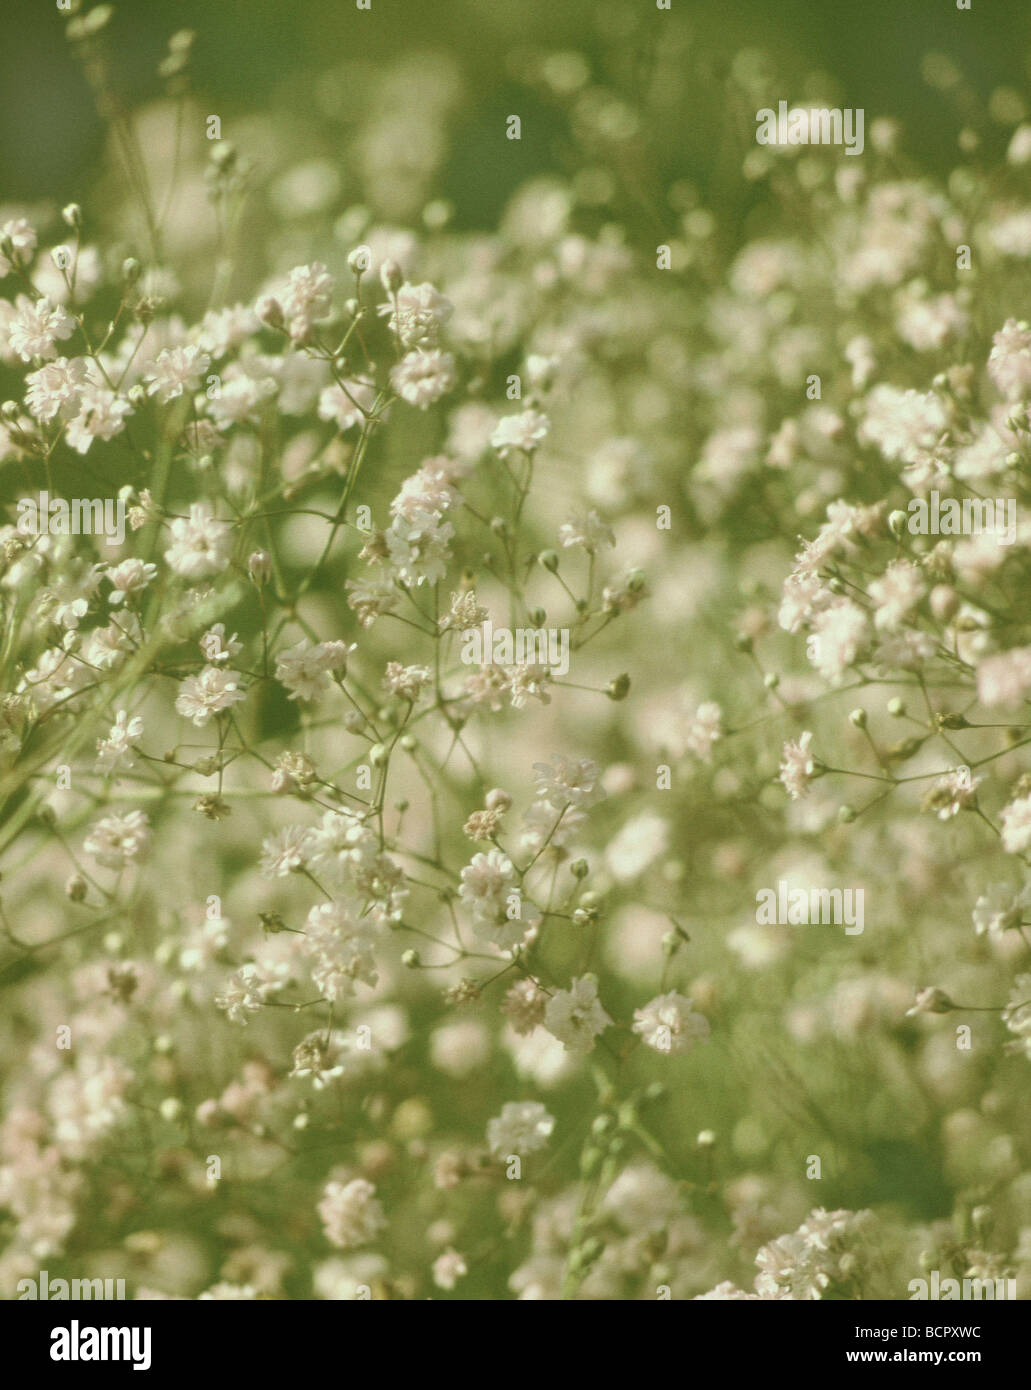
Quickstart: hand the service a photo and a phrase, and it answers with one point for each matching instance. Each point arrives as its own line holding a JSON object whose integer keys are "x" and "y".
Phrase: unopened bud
{"x": 270, "y": 312}
{"x": 619, "y": 688}
{"x": 259, "y": 567}
{"x": 391, "y": 276}
{"x": 76, "y": 888}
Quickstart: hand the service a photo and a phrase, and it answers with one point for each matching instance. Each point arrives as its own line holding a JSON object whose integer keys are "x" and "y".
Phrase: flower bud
{"x": 549, "y": 559}
{"x": 897, "y": 523}
{"x": 619, "y": 688}
{"x": 76, "y": 888}
{"x": 944, "y": 602}
{"x": 71, "y": 215}
{"x": 259, "y": 567}
{"x": 857, "y": 718}
{"x": 359, "y": 260}
{"x": 391, "y": 276}
{"x": 579, "y": 869}
{"x": 410, "y": 960}
{"x": 131, "y": 270}
{"x": 270, "y": 312}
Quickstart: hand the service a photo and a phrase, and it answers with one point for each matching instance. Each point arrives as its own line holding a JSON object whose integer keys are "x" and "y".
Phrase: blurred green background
{"x": 255, "y": 53}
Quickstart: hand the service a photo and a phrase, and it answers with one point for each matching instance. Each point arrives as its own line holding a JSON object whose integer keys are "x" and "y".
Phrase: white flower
{"x": 568, "y": 782}
{"x": 1019, "y": 151}
{"x": 370, "y": 598}
{"x": 642, "y": 1198}
{"x": 101, "y": 415}
{"x": 118, "y": 840}
{"x": 902, "y": 424}
{"x": 306, "y": 298}
{"x": 418, "y": 547}
{"x": 341, "y": 948}
{"x": 244, "y": 993}
{"x": 669, "y": 1024}
{"x": 797, "y": 766}
{"x": 1012, "y": 235}
{"x": 129, "y": 577}
{"x": 306, "y": 670}
{"x": 216, "y": 647}
{"x": 174, "y": 371}
{"x": 416, "y": 314}
{"x": 1000, "y": 909}
{"x": 22, "y": 236}
{"x": 116, "y": 749}
{"x": 407, "y": 681}
{"x": 527, "y": 681}
{"x": 896, "y": 594}
{"x": 448, "y": 1268}
{"x": 1016, "y": 825}
{"x": 952, "y": 793}
{"x": 429, "y": 490}
{"x": 524, "y": 1005}
{"x": 489, "y": 889}
{"x": 575, "y": 1015}
{"x": 543, "y": 825}
{"x": 284, "y": 851}
{"x": 344, "y": 407}
{"x": 1005, "y": 679}
{"x": 704, "y": 728}
{"x": 54, "y": 388}
{"x": 523, "y": 1127}
{"x": 1009, "y": 362}
{"x": 201, "y": 546}
{"x": 637, "y": 843}
{"x": 587, "y": 531}
{"x": 840, "y": 633}
{"x": 201, "y": 697}
{"x": 523, "y": 431}
{"x": 322, "y": 1056}
{"x": 36, "y": 328}
{"x": 422, "y": 378}
{"x": 239, "y": 398}
{"x": 351, "y": 1213}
